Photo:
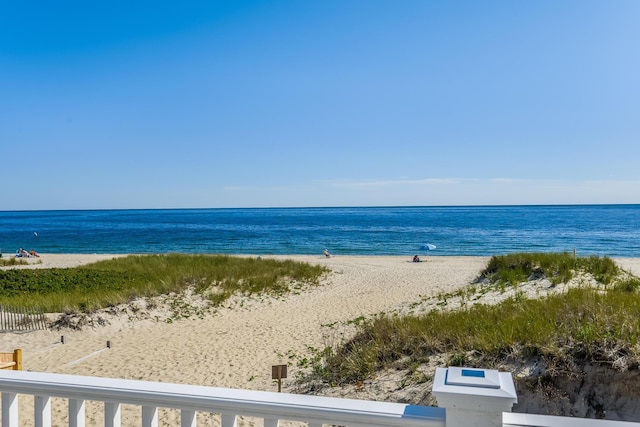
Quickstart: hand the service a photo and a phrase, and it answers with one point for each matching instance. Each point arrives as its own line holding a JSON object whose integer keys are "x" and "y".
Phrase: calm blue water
{"x": 612, "y": 230}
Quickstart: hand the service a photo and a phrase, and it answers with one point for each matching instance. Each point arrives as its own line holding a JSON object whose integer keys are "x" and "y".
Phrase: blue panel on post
{"x": 424, "y": 412}
{"x": 468, "y": 377}
{"x": 472, "y": 373}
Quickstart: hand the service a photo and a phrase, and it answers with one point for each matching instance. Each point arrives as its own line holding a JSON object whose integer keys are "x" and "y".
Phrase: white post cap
{"x": 474, "y": 397}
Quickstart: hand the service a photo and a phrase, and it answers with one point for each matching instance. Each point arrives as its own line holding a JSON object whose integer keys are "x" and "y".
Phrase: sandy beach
{"x": 237, "y": 345}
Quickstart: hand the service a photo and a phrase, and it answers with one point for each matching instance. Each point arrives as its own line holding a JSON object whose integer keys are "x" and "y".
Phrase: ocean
{"x": 604, "y": 230}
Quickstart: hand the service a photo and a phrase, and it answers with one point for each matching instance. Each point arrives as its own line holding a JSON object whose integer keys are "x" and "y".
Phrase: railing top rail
{"x": 213, "y": 399}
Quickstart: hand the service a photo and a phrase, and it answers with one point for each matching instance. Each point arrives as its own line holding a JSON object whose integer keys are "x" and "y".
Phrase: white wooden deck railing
{"x": 189, "y": 399}
{"x": 230, "y": 403}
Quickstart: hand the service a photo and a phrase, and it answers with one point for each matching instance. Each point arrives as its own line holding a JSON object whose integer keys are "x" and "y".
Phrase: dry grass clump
{"x": 11, "y": 261}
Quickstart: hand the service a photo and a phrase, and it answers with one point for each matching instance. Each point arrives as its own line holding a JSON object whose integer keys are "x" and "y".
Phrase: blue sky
{"x": 143, "y": 104}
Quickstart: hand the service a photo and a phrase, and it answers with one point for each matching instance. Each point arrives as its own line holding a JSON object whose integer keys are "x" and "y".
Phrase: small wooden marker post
{"x": 278, "y": 372}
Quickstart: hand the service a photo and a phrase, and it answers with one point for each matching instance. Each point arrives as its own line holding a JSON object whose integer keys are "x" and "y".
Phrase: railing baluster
{"x": 42, "y": 411}
{"x": 228, "y": 420}
{"x": 111, "y": 414}
{"x": 76, "y": 413}
{"x": 9, "y": 409}
{"x": 187, "y": 418}
{"x": 149, "y": 416}
{"x": 269, "y": 422}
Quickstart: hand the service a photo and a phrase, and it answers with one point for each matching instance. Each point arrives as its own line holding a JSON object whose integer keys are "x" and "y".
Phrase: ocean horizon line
{"x": 533, "y": 205}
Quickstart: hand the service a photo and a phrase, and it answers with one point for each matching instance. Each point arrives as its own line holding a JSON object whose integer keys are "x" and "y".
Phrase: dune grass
{"x": 589, "y": 323}
{"x": 116, "y": 281}
{"x": 557, "y": 267}
{"x": 4, "y": 262}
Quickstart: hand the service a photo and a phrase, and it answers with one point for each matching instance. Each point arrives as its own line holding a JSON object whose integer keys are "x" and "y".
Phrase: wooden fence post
{"x": 17, "y": 357}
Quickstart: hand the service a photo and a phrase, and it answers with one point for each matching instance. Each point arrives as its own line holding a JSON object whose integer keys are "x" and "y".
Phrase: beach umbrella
{"x": 427, "y": 247}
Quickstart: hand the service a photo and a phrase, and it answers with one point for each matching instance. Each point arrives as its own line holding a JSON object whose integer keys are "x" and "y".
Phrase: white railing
{"x": 189, "y": 399}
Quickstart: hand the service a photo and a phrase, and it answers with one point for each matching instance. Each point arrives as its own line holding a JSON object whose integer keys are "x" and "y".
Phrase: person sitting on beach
{"x": 327, "y": 253}
{"x": 22, "y": 253}
{"x": 416, "y": 258}
{"x": 33, "y": 253}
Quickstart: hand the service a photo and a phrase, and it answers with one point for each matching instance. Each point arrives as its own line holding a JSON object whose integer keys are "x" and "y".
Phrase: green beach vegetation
{"x": 119, "y": 280}
{"x": 599, "y": 323}
{"x": 557, "y": 267}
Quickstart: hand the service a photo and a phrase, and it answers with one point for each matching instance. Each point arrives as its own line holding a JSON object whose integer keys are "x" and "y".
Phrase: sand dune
{"x": 236, "y": 346}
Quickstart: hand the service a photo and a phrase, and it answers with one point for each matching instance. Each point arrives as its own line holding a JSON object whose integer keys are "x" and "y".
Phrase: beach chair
{"x": 11, "y": 361}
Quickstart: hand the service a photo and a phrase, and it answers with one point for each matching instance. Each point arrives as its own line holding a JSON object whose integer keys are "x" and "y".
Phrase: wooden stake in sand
{"x": 278, "y": 372}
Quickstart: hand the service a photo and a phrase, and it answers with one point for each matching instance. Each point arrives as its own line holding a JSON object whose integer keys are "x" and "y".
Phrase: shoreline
{"x": 68, "y": 260}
